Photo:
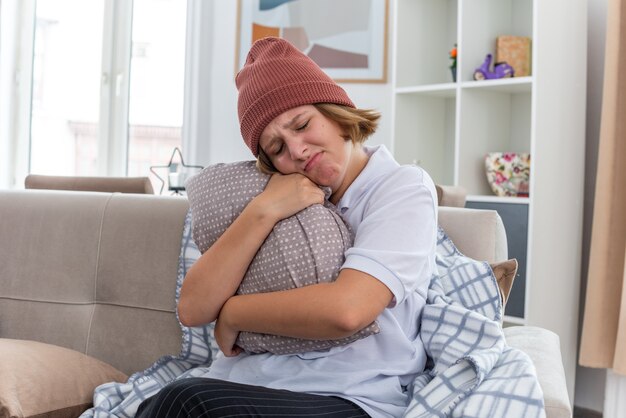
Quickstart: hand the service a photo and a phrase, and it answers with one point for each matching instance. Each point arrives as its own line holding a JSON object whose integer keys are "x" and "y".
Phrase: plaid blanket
{"x": 471, "y": 371}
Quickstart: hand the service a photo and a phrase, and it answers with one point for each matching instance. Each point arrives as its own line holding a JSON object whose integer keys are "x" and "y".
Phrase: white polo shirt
{"x": 392, "y": 210}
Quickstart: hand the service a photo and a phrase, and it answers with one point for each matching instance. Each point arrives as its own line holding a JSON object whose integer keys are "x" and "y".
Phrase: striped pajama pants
{"x": 201, "y": 397}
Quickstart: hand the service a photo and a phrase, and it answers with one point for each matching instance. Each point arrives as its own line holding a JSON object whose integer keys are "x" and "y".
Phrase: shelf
{"x": 429, "y": 32}
{"x": 504, "y": 85}
{"x": 498, "y": 199}
{"x": 490, "y": 121}
{"x": 482, "y": 21}
{"x": 448, "y": 127}
{"x": 428, "y": 140}
{"x": 435, "y": 90}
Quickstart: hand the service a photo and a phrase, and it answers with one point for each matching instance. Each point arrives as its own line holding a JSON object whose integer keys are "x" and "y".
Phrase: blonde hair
{"x": 356, "y": 124}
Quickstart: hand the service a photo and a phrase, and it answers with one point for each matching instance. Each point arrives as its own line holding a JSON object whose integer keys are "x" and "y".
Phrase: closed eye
{"x": 276, "y": 150}
{"x": 303, "y": 126}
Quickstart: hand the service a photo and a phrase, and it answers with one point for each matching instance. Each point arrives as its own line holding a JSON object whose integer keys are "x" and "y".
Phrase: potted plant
{"x": 452, "y": 54}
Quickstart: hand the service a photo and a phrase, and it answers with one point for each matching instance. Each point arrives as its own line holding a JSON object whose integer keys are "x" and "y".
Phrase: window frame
{"x": 113, "y": 141}
{"x": 115, "y": 88}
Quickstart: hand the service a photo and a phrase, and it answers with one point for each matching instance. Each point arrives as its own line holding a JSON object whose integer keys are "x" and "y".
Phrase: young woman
{"x": 302, "y": 126}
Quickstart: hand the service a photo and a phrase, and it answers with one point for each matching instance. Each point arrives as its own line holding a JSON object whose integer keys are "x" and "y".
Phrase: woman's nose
{"x": 297, "y": 149}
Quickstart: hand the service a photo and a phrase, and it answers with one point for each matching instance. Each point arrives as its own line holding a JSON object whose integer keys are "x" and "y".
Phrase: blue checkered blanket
{"x": 471, "y": 371}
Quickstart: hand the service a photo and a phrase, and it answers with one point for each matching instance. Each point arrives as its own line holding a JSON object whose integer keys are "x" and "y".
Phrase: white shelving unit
{"x": 447, "y": 127}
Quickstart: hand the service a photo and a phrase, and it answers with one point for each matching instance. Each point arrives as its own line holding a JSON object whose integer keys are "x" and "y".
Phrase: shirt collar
{"x": 380, "y": 163}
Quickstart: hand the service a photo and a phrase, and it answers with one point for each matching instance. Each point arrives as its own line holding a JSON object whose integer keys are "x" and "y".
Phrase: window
{"x": 156, "y": 83}
{"x": 107, "y": 86}
{"x": 66, "y": 87}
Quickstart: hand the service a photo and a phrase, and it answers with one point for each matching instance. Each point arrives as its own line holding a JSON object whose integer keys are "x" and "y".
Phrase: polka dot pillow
{"x": 304, "y": 249}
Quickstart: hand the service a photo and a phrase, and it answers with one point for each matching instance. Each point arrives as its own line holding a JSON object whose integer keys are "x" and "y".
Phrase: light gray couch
{"x": 95, "y": 273}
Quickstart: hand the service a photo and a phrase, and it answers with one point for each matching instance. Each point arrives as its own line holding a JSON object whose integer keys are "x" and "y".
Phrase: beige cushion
{"x": 38, "y": 378}
{"x": 544, "y": 349}
{"x": 504, "y": 273}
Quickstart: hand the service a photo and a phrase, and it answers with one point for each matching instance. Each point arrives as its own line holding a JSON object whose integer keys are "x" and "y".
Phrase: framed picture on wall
{"x": 346, "y": 38}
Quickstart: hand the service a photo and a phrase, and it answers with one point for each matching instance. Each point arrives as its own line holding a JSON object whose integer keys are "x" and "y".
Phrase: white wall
{"x": 223, "y": 140}
{"x": 590, "y": 383}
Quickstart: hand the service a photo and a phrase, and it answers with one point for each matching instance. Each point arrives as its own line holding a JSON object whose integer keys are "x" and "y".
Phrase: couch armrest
{"x": 477, "y": 233}
{"x": 543, "y": 348}
{"x": 451, "y": 195}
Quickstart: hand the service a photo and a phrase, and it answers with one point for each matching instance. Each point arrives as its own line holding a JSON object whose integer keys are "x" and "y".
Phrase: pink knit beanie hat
{"x": 275, "y": 78}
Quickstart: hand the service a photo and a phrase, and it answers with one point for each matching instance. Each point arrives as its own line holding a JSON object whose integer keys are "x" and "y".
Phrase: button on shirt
{"x": 392, "y": 211}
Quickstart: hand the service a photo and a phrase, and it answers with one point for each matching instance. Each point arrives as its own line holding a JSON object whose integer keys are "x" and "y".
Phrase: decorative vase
{"x": 508, "y": 173}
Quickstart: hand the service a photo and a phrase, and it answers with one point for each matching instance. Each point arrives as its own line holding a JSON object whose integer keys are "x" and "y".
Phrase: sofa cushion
{"x": 505, "y": 272}
{"x": 301, "y": 250}
{"x": 38, "y": 378}
{"x": 197, "y": 351}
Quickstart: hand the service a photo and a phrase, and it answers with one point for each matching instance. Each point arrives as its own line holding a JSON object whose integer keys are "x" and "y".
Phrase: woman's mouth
{"x": 312, "y": 162}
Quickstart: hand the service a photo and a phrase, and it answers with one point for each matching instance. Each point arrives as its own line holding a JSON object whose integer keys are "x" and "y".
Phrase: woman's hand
{"x": 226, "y": 336}
{"x": 286, "y": 195}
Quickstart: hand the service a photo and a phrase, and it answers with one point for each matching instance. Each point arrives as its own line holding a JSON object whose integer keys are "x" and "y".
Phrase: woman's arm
{"x": 217, "y": 274}
{"x": 322, "y": 311}
{"x": 393, "y": 256}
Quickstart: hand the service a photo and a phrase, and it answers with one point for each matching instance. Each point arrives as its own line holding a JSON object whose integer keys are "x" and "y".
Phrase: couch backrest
{"x": 95, "y": 272}
{"x": 90, "y": 184}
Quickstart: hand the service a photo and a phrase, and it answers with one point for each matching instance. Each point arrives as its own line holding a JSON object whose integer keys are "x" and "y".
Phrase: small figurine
{"x": 501, "y": 70}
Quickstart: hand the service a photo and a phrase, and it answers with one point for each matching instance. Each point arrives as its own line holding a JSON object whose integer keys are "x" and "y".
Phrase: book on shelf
{"x": 515, "y": 51}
